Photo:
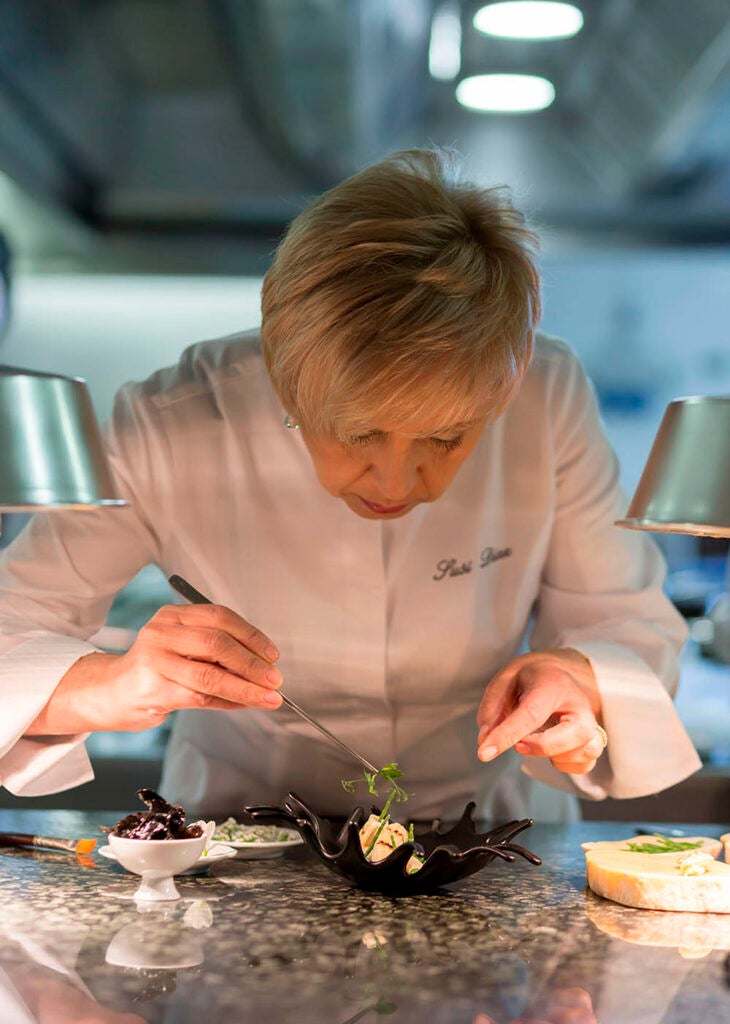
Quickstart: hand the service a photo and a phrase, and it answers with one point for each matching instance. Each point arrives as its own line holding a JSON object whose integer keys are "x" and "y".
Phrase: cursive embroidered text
{"x": 453, "y": 567}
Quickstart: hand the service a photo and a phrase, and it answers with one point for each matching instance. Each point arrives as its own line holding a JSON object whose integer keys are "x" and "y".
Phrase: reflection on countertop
{"x": 270, "y": 941}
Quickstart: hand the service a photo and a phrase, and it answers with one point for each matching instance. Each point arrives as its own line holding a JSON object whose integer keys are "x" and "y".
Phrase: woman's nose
{"x": 395, "y": 469}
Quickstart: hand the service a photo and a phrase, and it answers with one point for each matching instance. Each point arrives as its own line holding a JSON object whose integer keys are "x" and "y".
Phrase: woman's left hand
{"x": 544, "y": 704}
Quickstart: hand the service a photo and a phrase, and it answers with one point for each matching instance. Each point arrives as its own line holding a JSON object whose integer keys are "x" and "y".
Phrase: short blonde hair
{"x": 401, "y": 295}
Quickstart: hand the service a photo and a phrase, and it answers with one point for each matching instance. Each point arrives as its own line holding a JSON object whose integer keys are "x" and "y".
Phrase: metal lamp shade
{"x": 685, "y": 486}
{"x": 51, "y": 454}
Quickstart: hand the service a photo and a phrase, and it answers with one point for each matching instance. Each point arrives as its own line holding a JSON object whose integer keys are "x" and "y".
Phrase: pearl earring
{"x": 289, "y": 423}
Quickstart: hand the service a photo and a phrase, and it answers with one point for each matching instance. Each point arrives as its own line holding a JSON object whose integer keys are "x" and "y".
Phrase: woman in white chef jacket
{"x": 382, "y": 494}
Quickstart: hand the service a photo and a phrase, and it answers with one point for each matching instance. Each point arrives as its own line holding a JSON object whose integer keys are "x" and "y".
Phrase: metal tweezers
{"x": 194, "y": 596}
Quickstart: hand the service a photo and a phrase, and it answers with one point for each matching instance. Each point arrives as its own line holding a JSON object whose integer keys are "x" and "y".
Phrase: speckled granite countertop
{"x": 286, "y": 940}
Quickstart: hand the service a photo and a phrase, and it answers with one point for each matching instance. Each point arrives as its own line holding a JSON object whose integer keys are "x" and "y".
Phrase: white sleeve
{"x": 57, "y": 582}
{"x": 601, "y": 593}
{"x": 30, "y": 668}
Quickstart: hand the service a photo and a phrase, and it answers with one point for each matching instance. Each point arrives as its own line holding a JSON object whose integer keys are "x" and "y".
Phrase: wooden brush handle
{"x": 26, "y": 839}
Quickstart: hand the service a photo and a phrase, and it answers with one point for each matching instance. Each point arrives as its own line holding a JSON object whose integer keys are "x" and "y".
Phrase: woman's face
{"x": 384, "y": 473}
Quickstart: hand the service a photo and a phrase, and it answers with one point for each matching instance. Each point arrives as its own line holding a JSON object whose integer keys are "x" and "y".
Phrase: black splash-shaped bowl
{"x": 457, "y": 853}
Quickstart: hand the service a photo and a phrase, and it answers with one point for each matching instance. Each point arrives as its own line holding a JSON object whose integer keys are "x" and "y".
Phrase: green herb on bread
{"x": 661, "y": 844}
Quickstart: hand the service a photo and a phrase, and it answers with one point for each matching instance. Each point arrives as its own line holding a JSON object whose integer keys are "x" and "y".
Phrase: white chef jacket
{"x": 388, "y": 630}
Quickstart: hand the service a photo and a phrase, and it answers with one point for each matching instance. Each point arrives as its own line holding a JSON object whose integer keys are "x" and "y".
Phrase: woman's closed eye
{"x": 446, "y": 444}
{"x": 372, "y": 437}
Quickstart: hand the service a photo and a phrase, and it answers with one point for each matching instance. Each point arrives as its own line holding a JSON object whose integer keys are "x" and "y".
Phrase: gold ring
{"x": 603, "y": 734}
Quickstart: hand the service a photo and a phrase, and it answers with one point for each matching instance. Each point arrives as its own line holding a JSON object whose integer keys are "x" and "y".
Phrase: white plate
{"x": 216, "y": 852}
{"x": 262, "y": 849}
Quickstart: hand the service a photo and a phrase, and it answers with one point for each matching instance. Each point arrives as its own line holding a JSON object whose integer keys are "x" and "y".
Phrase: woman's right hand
{"x": 186, "y": 656}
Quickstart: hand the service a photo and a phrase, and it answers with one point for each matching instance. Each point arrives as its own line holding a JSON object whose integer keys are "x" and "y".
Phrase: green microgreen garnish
{"x": 390, "y": 772}
{"x": 662, "y": 844}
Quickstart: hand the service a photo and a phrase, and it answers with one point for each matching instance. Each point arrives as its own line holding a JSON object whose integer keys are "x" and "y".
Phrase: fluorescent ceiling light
{"x": 444, "y": 51}
{"x": 529, "y": 19}
{"x": 506, "y": 94}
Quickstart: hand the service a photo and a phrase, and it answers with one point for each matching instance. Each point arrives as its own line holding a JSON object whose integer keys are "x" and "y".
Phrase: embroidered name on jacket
{"x": 453, "y": 567}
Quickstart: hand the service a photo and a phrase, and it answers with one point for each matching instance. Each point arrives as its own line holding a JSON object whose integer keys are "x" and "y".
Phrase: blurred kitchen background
{"x": 152, "y": 153}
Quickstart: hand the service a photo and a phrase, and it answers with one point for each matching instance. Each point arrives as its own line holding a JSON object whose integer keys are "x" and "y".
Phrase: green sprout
{"x": 661, "y": 844}
{"x": 389, "y": 772}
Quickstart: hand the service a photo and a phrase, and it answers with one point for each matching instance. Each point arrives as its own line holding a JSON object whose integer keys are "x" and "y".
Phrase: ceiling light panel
{"x": 529, "y": 19}
{"x": 444, "y": 51}
{"x": 505, "y": 94}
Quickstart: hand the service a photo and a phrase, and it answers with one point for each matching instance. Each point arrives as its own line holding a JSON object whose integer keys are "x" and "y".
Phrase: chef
{"x": 401, "y": 504}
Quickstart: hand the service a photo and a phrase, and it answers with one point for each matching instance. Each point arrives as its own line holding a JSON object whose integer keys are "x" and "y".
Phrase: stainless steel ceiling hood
{"x": 172, "y": 131}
